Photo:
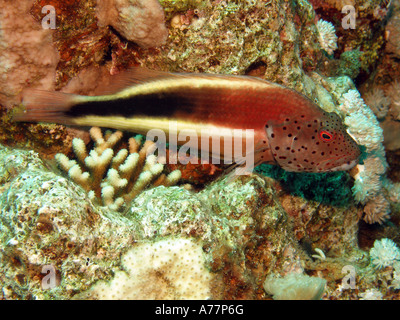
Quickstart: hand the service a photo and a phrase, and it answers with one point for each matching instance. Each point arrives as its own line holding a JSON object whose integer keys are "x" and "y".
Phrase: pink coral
{"x": 140, "y": 21}
{"x": 28, "y": 56}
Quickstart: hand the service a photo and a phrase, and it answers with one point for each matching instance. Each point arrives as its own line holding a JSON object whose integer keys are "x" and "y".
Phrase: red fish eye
{"x": 325, "y": 136}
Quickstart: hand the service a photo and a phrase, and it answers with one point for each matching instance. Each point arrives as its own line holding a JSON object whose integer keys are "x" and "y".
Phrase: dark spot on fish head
{"x": 312, "y": 144}
{"x": 289, "y": 143}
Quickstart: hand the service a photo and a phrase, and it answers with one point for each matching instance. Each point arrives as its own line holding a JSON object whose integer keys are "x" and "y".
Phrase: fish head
{"x": 319, "y": 143}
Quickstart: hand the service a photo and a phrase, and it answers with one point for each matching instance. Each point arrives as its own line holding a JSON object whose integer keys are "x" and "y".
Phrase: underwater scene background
{"x": 87, "y": 213}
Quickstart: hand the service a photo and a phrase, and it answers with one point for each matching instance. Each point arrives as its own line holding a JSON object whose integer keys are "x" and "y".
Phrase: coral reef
{"x": 246, "y": 239}
{"x": 367, "y": 34}
{"x": 364, "y": 128}
{"x": 386, "y": 78}
{"x": 392, "y": 30}
{"x": 313, "y": 186}
{"x": 78, "y": 39}
{"x": 237, "y": 233}
{"x": 195, "y": 172}
{"x": 263, "y": 38}
{"x": 63, "y": 220}
{"x": 45, "y": 59}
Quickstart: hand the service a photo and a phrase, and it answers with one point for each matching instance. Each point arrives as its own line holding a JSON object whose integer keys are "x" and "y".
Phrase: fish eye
{"x": 325, "y": 136}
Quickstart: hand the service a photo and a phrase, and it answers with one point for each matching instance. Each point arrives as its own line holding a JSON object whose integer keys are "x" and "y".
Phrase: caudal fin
{"x": 46, "y": 106}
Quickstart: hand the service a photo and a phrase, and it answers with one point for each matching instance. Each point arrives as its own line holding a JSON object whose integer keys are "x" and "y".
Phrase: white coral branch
{"x": 115, "y": 178}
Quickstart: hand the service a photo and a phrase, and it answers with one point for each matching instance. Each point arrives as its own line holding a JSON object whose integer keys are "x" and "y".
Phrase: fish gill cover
{"x": 59, "y": 241}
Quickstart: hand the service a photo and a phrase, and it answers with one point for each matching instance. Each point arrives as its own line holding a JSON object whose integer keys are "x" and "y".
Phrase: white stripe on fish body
{"x": 142, "y": 125}
{"x": 187, "y": 133}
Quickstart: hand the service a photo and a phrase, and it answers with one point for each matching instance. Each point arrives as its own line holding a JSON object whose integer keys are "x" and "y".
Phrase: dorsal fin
{"x": 137, "y": 75}
{"x": 140, "y": 75}
{"x": 131, "y": 77}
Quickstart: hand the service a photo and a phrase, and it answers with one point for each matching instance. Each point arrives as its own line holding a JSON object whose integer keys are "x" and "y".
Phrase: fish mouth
{"x": 345, "y": 166}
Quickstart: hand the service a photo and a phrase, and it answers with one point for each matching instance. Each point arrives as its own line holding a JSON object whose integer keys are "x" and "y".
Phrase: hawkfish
{"x": 288, "y": 129}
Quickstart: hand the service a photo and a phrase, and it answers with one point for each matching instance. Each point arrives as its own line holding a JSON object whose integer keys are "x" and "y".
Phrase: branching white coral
{"x": 115, "y": 178}
{"x": 364, "y": 128}
{"x": 327, "y": 37}
{"x": 384, "y": 253}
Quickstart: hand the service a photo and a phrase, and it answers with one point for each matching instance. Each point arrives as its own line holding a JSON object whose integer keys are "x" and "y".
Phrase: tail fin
{"x": 46, "y": 106}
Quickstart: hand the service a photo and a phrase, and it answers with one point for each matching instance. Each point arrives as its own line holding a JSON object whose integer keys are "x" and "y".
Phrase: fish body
{"x": 289, "y": 129}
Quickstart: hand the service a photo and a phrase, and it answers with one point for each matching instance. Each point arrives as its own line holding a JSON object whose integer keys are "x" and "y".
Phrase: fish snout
{"x": 342, "y": 163}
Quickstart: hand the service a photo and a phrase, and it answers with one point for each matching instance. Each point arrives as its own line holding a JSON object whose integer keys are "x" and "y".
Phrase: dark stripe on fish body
{"x": 155, "y": 105}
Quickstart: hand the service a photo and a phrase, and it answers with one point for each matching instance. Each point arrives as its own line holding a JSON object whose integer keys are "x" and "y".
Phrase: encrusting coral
{"x": 166, "y": 269}
{"x": 115, "y": 178}
{"x": 295, "y": 286}
{"x": 350, "y": 63}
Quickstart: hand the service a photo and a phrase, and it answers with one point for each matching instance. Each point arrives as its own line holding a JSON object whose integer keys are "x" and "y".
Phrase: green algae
{"x": 350, "y": 63}
{"x": 333, "y": 188}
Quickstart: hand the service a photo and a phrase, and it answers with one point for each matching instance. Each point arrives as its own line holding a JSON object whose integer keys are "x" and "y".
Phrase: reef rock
{"x": 28, "y": 56}
{"x": 236, "y": 234}
{"x": 139, "y": 21}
